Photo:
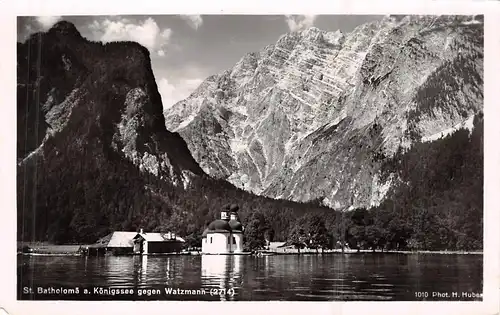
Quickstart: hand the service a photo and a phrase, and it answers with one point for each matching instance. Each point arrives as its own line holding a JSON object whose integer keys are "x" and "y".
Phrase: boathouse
{"x": 157, "y": 243}
{"x": 129, "y": 243}
{"x": 224, "y": 235}
{"x": 116, "y": 243}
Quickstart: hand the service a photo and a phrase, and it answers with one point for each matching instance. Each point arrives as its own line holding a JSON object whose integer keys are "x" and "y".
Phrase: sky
{"x": 187, "y": 49}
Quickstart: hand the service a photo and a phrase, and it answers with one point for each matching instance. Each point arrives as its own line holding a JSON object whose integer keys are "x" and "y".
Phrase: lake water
{"x": 358, "y": 277}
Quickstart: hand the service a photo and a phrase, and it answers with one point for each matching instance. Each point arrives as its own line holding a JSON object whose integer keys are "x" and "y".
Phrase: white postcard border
{"x": 8, "y": 281}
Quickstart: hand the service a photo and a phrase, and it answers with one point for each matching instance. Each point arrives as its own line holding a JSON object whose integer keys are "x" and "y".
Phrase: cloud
{"x": 299, "y": 22}
{"x": 146, "y": 33}
{"x": 46, "y": 22}
{"x": 172, "y": 93}
{"x": 195, "y": 21}
{"x": 28, "y": 28}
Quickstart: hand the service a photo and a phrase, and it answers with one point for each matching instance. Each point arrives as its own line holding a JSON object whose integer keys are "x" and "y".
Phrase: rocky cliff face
{"x": 95, "y": 93}
{"x": 93, "y": 151}
{"x": 315, "y": 115}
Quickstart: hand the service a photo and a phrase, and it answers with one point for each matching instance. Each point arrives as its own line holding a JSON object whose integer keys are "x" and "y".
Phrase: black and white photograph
{"x": 250, "y": 157}
{"x": 312, "y": 158}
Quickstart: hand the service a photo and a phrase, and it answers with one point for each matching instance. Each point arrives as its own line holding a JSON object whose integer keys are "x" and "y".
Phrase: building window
{"x": 234, "y": 240}
{"x": 210, "y": 240}
{"x": 229, "y": 240}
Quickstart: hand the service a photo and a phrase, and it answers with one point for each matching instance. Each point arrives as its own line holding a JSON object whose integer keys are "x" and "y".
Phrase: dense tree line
{"x": 441, "y": 197}
{"x": 438, "y": 204}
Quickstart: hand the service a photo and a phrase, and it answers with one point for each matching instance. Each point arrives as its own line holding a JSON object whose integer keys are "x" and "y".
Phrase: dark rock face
{"x": 91, "y": 137}
{"x": 315, "y": 116}
{"x": 65, "y": 28}
{"x": 61, "y": 74}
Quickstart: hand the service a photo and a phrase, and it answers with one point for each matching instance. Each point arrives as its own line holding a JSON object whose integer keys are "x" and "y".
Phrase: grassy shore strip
{"x": 45, "y": 249}
{"x": 444, "y": 252}
{"x": 368, "y": 251}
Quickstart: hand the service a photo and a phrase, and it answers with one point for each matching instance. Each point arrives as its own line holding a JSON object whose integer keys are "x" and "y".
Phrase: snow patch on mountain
{"x": 467, "y": 124}
{"x": 380, "y": 189}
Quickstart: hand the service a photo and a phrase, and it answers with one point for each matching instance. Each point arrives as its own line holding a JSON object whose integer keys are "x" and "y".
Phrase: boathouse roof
{"x": 126, "y": 239}
{"x": 274, "y": 245}
{"x": 159, "y": 237}
{"x": 117, "y": 239}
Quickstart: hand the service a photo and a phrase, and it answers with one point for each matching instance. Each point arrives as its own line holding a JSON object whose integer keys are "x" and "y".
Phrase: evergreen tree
{"x": 255, "y": 230}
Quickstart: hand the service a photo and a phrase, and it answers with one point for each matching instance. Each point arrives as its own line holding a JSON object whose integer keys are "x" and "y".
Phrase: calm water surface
{"x": 282, "y": 277}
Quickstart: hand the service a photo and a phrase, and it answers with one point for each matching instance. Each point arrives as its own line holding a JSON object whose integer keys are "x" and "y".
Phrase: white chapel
{"x": 224, "y": 235}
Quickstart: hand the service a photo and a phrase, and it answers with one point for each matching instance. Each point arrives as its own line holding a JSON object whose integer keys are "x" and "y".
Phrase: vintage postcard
{"x": 328, "y": 158}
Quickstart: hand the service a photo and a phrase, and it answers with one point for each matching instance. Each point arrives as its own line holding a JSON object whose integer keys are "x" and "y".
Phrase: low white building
{"x": 157, "y": 243}
{"x": 129, "y": 243}
{"x": 224, "y": 235}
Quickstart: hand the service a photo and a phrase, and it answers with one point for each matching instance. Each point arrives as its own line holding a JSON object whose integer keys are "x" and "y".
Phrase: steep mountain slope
{"x": 94, "y": 154}
{"x": 89, "y": 127}
{"x": 316, "y": 115}
{"x": 73, "y": 80}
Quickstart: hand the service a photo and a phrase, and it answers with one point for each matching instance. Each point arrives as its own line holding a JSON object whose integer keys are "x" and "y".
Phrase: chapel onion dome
{"x": 236, "y": 225}
{"x": 205, "y": 233}
{"x": 219, "y": 225}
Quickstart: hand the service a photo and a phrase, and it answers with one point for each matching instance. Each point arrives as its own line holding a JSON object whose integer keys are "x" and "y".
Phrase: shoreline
{"x": 423, "y": 252}
{"x": 442, "y": 252}
{"x": 73, "y": 250}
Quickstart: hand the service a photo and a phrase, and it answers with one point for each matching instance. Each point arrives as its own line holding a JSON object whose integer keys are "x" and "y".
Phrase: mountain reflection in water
{"x": 281, "y": 277}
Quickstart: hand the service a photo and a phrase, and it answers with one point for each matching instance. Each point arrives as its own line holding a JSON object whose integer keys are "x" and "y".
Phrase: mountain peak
{"x": 65, "y": 28}
{"x": 292, "y": 117}
{"x": 312, "y": 34}
{"x": 311, "y": 30}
